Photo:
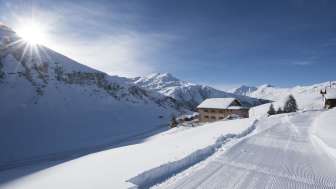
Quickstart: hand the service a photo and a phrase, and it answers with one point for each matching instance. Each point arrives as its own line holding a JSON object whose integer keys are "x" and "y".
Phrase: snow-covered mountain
{"x": 243, "y": 90}
{"x": 187, "y": 93}
{"x": 308, "y": 97}
{"x": 54, "y": 106}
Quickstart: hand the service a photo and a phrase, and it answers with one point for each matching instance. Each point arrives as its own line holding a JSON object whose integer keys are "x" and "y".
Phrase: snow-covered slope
{"x": 52, "y": 106}
{"x": 187, "y": 93}
{"x": 324, "y": 131}
{"x": 167, "y": 151}
{"x": 243, "y": 90}
{"x": 275, "y": 149}
{"x": 308, "y": 97}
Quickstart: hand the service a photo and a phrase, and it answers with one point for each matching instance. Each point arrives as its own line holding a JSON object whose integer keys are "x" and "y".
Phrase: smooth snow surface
{"x": 331, "y": 93}
{"x": 324, "y": 131}
{"x": 112, "y": 168}
{"x": 281, "y": 156}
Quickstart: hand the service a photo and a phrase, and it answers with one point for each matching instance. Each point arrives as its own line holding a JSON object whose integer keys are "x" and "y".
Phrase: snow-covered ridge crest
{"x": 187, "y": 93}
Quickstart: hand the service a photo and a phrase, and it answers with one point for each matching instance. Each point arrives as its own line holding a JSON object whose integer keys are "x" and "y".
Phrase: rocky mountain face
{"x": 52, "y": 104}
{"x": 186, "y": 93}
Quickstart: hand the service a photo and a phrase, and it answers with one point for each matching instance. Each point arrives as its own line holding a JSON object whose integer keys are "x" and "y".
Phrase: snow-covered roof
{"x": 217, "y": 103}
{"x": 331, "y": 93}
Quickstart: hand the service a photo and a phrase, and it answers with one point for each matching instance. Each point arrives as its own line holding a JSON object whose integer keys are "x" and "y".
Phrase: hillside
{"x": 308, "y": 97}
{"x": 186, "y": 93}
{"x": 52, "y": 106}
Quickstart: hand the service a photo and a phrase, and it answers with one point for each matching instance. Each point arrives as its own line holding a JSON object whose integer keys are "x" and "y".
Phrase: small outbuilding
{"x": 213, "y": 109}
{"x": 329, "y": 98}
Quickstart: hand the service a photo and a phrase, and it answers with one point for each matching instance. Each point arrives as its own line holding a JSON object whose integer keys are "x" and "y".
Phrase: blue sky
{"x": 223, "y": 43}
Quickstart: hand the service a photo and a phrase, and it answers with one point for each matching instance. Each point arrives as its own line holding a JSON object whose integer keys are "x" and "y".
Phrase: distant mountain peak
{"x": 244, "y": 90}
{"x": 163, "y": 76}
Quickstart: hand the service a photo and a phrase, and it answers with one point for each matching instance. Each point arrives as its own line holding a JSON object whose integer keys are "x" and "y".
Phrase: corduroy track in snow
{"x": 283, "y": 156}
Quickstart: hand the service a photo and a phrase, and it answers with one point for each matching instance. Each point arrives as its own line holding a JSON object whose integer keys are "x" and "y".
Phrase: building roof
{"x": 331, "y": 93}
{"x": 218, "y": 103}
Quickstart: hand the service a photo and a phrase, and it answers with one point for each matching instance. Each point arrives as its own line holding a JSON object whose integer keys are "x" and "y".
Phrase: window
{"x": 206, "y": 117}
{"x": 213, "y": 111}
{"x": 221, "y": 111}
{"x": 221, "y": 117}
{"x": 213, "y": 117}
{"x": 206, "y": 110}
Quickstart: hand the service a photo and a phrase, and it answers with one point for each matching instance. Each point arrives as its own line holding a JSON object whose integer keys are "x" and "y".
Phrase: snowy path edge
{"x": 163, "y": 172}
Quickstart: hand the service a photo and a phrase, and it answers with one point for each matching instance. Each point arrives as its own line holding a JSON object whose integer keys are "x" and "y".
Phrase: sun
{"x": 32, "y": 32}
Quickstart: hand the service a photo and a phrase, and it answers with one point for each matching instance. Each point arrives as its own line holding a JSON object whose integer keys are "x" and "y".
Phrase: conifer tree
{"x": 271, "y": 110}
{"x": 290, "y": 105}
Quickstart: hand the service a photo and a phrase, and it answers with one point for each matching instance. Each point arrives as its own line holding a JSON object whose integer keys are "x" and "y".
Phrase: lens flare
{"x": 32, "y": 32}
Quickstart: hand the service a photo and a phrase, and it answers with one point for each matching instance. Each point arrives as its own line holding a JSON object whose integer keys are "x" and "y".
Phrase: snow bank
{"x": 112, "y": 168}
{"x": 324, "y": 131}
{"x": 159, "y": 174}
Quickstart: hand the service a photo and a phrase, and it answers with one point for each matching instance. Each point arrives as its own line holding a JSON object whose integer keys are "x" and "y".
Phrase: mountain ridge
{"x": 187, "y": 93}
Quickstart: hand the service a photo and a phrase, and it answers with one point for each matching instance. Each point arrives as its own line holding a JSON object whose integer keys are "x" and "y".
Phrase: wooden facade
{"x": 210, "y": 115}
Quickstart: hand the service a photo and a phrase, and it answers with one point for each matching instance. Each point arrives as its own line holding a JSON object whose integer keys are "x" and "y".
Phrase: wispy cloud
{"x": 303, "y": 63}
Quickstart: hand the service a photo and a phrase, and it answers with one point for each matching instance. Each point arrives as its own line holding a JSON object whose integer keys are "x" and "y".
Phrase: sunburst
{"x": 32, "y": 32}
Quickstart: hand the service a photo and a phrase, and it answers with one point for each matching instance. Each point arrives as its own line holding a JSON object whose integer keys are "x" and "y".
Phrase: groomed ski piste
{"x": 283, "y": 151}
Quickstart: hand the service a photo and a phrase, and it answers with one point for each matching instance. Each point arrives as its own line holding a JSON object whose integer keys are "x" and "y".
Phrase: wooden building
{"x": 213, "y": 109}
{"x": 329, "y": 98}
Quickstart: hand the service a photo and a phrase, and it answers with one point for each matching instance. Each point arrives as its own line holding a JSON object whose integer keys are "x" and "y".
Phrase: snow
{"x": 49, "y": 115}
{"x": 236, "y": 108}
{"x": 324, "y": 131}
{"x": 50, "y": 124}
{"x": 331, "y": 93}
{"x": 243, "y": 90}
{"x": 217, "y": 103}
{"x": 113, "y": 168}
{"x": 279, "y": 154}
{"x": 308, "y": 97}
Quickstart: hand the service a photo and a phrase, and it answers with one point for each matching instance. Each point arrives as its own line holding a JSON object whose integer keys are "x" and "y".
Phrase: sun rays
{"x": 25, "y": 43}
{"x": 32, "y": 32}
